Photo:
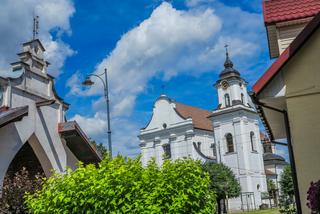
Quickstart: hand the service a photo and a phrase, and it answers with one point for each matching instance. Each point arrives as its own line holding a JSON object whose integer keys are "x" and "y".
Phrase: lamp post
{"x": 89, "y": 82}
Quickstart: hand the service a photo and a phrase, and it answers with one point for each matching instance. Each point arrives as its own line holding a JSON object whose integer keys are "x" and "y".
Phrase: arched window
{"x": 227, "y": 99}
{"x": 242, "y": 98}
{"x": 253, "y": 143}
{"x": 229, "y": 139}
{"x": 166, "y": 151}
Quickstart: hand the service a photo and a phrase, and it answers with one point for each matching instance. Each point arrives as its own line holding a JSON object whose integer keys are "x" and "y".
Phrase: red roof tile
{"x": 287, "y": 54}
{"x": 286, "y": 10}
{"x": 199, "y": 116}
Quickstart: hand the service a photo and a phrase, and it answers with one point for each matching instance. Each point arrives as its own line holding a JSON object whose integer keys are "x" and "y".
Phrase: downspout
{"x": 290, "y": 149}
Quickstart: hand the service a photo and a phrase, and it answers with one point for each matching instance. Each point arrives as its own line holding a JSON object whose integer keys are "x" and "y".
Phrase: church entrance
{"x": 23, "y": 175}
{"x": 25, "y": 158}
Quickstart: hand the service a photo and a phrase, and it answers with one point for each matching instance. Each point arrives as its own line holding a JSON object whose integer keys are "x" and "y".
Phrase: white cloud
{"x": 194, "y": 3}
{"x": 168, "y": 43}
{"x": 16, "y": 19}
{"x": 94, "y": 126}
{"x": 74, "y": 83}
{"x": 124, "y": 132}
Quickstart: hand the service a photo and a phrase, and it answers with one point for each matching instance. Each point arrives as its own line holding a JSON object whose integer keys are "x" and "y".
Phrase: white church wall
{"x": 163, "y": 113}
{"x": 181, "y": 145}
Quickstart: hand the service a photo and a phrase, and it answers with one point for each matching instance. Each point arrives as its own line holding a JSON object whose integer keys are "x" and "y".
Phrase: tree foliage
{"x": 286, "y": 182}
{"x": 287, "y": 204}
{"x": 100, "y": 148}
{"x": 14, "y": 188}
{"x": 222, "y": 180}
{"x": 123, "y": 186}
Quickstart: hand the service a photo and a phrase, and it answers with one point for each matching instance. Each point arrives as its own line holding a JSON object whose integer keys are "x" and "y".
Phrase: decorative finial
{"x": 226, "y": 47}
{"x": 35, "y": 27}
{"x": 227, "y": 63}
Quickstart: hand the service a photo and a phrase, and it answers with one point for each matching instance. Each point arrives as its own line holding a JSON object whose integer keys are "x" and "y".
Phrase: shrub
{"x": 14, "y": 188}
{"x": 124, "y": 186}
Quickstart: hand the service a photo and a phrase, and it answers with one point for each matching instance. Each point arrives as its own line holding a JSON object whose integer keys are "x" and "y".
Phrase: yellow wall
{"x": 302, "y": 79}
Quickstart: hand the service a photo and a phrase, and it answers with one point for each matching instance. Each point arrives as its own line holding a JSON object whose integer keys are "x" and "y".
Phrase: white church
{"x": 230, "y": 134}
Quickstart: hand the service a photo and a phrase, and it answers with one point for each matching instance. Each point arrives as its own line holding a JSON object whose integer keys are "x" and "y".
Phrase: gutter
{"x": 289, "y": 144}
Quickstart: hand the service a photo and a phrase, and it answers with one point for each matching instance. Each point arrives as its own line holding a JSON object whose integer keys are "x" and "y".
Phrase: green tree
{"x": 122, "y": 185}
{"x": 287, "y": 204}
{"x": 286, "y": 182}
{"x": 222, "y": 181}
{"x": 100, "y": 148}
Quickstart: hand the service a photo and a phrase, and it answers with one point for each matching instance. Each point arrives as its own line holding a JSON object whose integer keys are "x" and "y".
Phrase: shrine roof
{"x": 287, "y": 10}
{"x": 199, "y": 116}
{"x": 78, "y": 143}
{"x": 9, "y": 115}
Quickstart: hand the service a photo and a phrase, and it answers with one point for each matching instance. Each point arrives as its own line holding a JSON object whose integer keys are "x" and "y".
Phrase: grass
{"x": 269, "y": 211}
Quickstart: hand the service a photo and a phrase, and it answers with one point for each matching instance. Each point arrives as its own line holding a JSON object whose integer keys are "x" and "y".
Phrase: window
{"x": 229, "y": 140}
{"x": 227, "y": 99}
{"x": 252, "y": 140}
{"x": 166, "y": 151}
{"x": 213, "y": 147}
{"x": 267, "y": 147}
{"x": 199, "y": 145}
{"x": 242, "y": 98}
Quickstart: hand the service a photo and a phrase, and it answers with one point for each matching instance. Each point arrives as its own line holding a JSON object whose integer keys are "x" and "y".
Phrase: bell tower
{"x": 232, "y": 88}
{"x": 237, "y": 136}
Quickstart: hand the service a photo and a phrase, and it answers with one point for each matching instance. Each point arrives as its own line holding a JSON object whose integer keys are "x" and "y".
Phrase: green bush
{"x": 124, "y": 186}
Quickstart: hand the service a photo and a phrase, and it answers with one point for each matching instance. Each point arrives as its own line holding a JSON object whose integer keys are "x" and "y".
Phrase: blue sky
{"x": 145, "y": 44}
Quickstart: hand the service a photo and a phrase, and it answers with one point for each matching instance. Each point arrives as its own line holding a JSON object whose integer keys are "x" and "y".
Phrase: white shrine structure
{"x": 230, "y": 134}
{"x": 34, "y": 132}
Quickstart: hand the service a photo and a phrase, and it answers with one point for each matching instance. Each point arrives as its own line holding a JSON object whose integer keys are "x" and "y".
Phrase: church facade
{"x": 230, "y": 134}
{"x": 34, "y": 132}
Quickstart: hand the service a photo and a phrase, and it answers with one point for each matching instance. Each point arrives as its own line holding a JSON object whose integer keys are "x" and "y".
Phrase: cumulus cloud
{"x": 16, "y": 20}
{"x": 169, "y": 43}
{"x": 124, "y": 132}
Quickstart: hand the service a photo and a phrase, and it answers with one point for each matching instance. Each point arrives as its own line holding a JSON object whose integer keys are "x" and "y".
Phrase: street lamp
{"x": 89, "y": 82}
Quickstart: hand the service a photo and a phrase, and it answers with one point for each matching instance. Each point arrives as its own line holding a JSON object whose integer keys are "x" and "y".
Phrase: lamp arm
{"x": 95, "y": 75}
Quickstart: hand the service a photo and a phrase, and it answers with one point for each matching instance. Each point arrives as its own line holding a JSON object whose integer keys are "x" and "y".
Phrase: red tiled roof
{"x": 286, "y": 10}
{"x": 269, "y": 172}
{"x": 287, "y": 54}
{"x": 199, "y": 116}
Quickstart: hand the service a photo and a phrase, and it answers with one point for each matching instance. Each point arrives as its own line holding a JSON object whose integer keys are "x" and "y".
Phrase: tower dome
{"x": 228, "y": 68}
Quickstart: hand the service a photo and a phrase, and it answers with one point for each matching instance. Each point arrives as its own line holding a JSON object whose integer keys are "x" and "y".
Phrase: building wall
{"x": 286, "y": 34}
{"x": 277, "y": 170}
{"x": 302, "y": 78}
{"x": 247, "y": 165}
{"x": 181, "y": 144}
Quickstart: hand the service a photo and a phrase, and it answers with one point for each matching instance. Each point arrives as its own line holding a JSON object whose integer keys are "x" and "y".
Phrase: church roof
{"x": 271, "y": 158}
{"x": 287, "y": 10}
{"x": 269, "y": 172}
{"x": 199, "y": 116}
